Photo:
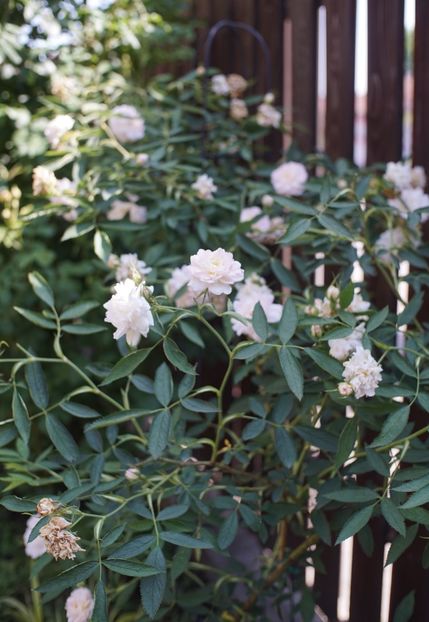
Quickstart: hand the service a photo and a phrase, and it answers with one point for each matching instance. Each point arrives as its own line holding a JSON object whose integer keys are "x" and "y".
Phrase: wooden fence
{"x": 291, "y": 28}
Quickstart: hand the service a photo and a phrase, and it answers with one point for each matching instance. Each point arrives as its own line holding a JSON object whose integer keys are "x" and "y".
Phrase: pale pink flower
{"x": 214, "y": 271}
{"x": 289, "y": 179}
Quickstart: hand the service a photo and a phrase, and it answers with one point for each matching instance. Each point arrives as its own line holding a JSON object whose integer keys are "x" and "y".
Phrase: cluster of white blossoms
{"x": 409, "y": 182}
{"x": 289, "y": 179}
{"x": 36, "y": 548}
{"x": 57, "y": 128}
{"x": 79, "y": 605}
{"x": 129, "y": 311}
{"x": 44, "y": 181}
{"x": 267, "y": 115}
{"x": 60, "y": 191}
{"x": 252, "y": 291}
{"x": 128, "y": 266}
{"x": 233, "y": 84}
{"x": 362, "y": 375}
{"x": 391, "y": 241}
{"x": 330, "y": 304}
{"x": 204, "y": 186}
{"x": 126, "y": 124}
{"x": 120, "y": 209}
{"x": 263, "y": 229}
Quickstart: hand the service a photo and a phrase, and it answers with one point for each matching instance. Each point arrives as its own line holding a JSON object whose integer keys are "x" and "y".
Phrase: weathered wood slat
{"x": 385, "y": 79}
{"x": 326, "y": 585}
{"x": 421, "y": 86}
{"x": 303, "y": 14}
{"x": 341, "y": 35}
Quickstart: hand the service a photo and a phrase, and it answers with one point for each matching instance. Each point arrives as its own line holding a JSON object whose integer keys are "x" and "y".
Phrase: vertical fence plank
{"x": 341, "y": 34}
{"x": 243, "y": 45}
{"x": 421, "y": 86}
{"x": 385, "y": 79}
{"x": 303, "y": 15}
{"x": 201, "y": 12}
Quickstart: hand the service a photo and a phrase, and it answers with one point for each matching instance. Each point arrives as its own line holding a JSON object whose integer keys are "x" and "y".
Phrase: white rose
{"x": 267, "y": 200}
{"x": 358, "y": 304}
{"x": 126, "y": 124}
{"x": 268, "y": 116}
{"x": 237, "y": 84}
{"x": 238, "y": 109}
{"x": 57, "y": 128}
{"x": 418, "y": 177}
{"x": 362, "y": 373}
{"x": 389, "y": 242}
{"x": 254, "y": 290}
{"x": 220, "y": 85}
{"x": 345, "y": 389}
{"x": 264, "y": 229}
{"x": 398, "y": 174}
{"x": 119, "y": 209}
{"x": 415, "y": 198}
{"x": 44, "y": 181}
{"x": 289, "y": 178}
{"x": 214, "y": 271}
{"x": 129, "y": 312}
{"x": 79, "y": 605}
{"x": 132, "y": 473}
{"x": 179, "y": 278}
{"x": 204, "y": 187}
{"x": 341, "y": 349}
{"x": 36, "y": 548}
{"x": 129, "y": 266}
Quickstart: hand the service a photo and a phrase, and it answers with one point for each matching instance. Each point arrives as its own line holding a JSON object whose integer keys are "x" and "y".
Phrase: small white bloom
{"x": 65, "y": 195}
{"x": 316, "y": 331}
{"x": 413, "y": 199}
{"x": 269, "y": 98}
{"x": 399, "y": 174}
{"x": 267, "y": 200}
{"x": 345, "y": 389}
{"x": 126, "y": 124}
{"x": 44, "y": 181}
{"x": 358, "y": 304}
{"x": 289, "y": 178}
{"x": 363, "y": 373}
{"x": 57, "y": 128}
{"x": 238, "y": 109}
{"x": 119, "y": 209}
{"x": 132, "y": 473}
{"x": 129, "y": 312}
{"x": 204, "y": 187}
{"x": 333, "y": 293}
{"x": 389, "y": 243}
{"x": 264, "y": 229}
{"x": 128, "y": 266}
{"x": 341, "y": 349}
{"x": 237, "y": 84}
{"x": 79, "y": 605}
{"x": 418, "y": 177}
{"x": 214, "y": 271}
{"x": 220, "y": 84}
{"x": 37, "y": 547}
{"x": 268, "y": 116}
{"x": 142, "y": 159}
{"x": 179, "y": 278}
{"x": 254, "y": 290}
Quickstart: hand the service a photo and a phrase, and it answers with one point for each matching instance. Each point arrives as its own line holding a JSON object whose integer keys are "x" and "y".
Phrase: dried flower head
{"x": 59, "y": 541}
{"x": 47, "y": 506}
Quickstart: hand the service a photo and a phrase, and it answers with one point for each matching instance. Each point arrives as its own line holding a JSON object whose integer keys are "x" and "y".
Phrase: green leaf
{"x": 285, "y": 447}
{"x": 285, "y": 276}
{"x": 75, "y": 231}
{"x": 292, "y": 372}
{"x": 259, "y": 322}
{"x": 176, "y": 356}
{"x": 325, "y": 362}
{"x": 352, "y": 495}
{"x": 317, "y": 437}
{"x": 152, "y": 588}
{"x": 41, "y": 288}
{"x": 119, "y": 417}
{"x": 37, "y": 384}
{"x": 400, "y": 544}
{"x": 192, "y": 334}
{"x": 102, "y": 245}
{"x": 82, "y": 329}
{"x": 288, "y": 321}
{"x": 392, "y": 515}
{"x": 78, "y": 310}
{"x": 252, "y": 248}
{"x": 130, "y": 568}
{"x": 377, "y": 461}
{"x": 228, "y": 531}
{"x": 411, "y": 310}
{"x": 346, "y": 295}
{"x": 159, "y": 432}
{"x": 20, "y": 416}
{"x": 134, "y": 547}
{"x": 346, "y": 441}
{"x": 253, "y": 429}
{"x": 99, "y": 613}
{"x": 181, "y": 539}
{"x": 36, "y": 318}
{"x": 355, "y": 523}
{"x": 61, "y": 439}
{"x": 163, "y": 385}
{"x": 321, "y": 526}
{"x": 79, "y": 410}
{"x": 404, "y": 611}
{"x": 127, "y": 365}
{"x": 392, "y": 427}
{"x": 295, "y": 231}
{"x": 69, "y": 577}
{"x": 420, "y": 497}
{"x": 199, "y": 406}
{"x": 377, "y": 319}
{"x": 172, "y": 511}
{"x": 334, "y": 227}
{"x": 16, "y": 504}
{"x": 249, "y": 351}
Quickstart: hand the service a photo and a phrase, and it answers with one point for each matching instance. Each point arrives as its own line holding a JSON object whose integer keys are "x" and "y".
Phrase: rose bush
{"x": 221, "y": 398}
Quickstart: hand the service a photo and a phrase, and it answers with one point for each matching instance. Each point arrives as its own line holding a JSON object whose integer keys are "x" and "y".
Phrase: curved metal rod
{"x": 228, "y": 23}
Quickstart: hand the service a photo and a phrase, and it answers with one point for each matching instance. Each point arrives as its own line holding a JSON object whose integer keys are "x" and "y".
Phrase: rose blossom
{"x": 264, "y": 229}
{"x": 362, "y": 373}
{"x": 36, "y": 548}
{"x": 398, "y": 174}
{"x": 267, "y": 200}
{"x": 238, "y": 109}
{"x": 358, "y": 304}
{"x": 341, "y": 349}
{"x": 132, "y": 473}
{"x": 254, "y": 290}
{"x": 44, "y": 181}
{"x": 204, "y": 187}
{"x": 220, "y": 85}
{"x": 413, "y": 199}
{"x": 289, "y": 178}
{"x": 237, "y": 84}
{"x": 59, "y": 541}
{"x": 129, "y": 312}
{"x": 345, "y": 389}
{"x": 126, "y": 124}
{"x": 57, "y": 128}
{"x": 179, "y": 278}
{"x": 128, "y": 266}
{"x": 79, "y": 605}
{"x": 268, "y": 116}
{"x": 389, "y": 242}
{"x": 418, "y": 177}
{"x": 214, "y": 271}
{"x": 119, "y": 209}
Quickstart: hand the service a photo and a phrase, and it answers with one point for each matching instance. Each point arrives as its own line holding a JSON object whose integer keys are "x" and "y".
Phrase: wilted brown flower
{"x": 47, "y": 506}
{"x": 60, "y": 543}
{"x": 237, "y": 84}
